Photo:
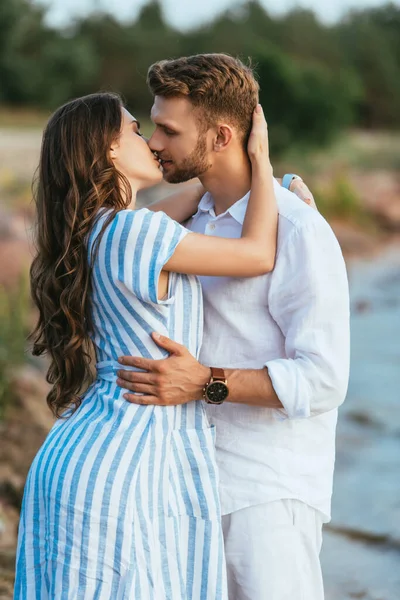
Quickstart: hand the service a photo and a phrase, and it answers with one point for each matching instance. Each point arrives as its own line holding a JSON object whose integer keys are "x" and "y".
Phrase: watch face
{"x": 217, "y": 392}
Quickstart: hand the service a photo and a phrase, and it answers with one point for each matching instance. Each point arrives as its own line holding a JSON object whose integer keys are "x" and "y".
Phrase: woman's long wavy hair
{"x": 75, "y": 178}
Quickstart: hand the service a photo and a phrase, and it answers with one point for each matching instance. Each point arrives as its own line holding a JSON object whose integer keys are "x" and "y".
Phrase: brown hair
{"x": 218, "y": 84}
{"x": 76, "y": 177}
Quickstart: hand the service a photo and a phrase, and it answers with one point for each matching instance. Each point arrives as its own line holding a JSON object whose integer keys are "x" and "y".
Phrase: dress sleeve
{"x": 145, "y": 241}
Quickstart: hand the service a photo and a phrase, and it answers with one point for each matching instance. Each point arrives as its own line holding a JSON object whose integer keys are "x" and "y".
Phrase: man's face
{"x": 180, "y": 144}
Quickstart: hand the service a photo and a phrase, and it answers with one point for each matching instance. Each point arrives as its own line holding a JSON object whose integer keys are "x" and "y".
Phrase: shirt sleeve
{"x": 145, "y": 241}
{"x": 309, "y": 300}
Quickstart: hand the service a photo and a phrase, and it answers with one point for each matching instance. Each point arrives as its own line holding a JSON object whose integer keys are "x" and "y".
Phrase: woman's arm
{"x": 254, "y": 253}
{"x": 180, "y": 205}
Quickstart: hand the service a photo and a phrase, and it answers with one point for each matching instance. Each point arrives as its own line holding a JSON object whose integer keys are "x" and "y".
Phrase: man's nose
{"x": 154, "y": 143}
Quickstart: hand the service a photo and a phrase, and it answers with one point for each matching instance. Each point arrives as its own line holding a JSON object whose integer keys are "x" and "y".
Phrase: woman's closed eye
{"x": 136, "y": 128}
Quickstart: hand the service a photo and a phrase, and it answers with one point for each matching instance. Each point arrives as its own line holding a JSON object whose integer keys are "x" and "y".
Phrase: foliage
{"x": 339, "y": 200}
{"x": 315, "y": 79}
{"x": 14, "y": 312}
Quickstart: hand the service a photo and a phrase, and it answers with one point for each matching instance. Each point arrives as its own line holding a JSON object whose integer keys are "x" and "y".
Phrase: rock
{"x": 15, "y": 247}
{"x": 362, "y": 306}
{"x": 7, "y": 562}
{"x": 380, "y": 192}
{"x": 354, "y": 241}
{"x": 28, "y": 421}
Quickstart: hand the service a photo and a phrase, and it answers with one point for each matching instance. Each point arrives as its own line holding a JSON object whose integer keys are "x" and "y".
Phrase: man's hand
{"x": 299, "y": 188}
{"x": 178, "y": 379}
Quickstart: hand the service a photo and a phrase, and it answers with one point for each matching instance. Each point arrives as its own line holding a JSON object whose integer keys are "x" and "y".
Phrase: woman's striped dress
{"x": 121, "y": 501}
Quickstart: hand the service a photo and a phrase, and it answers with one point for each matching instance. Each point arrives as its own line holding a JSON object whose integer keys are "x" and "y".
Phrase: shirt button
{"x": 212, "y": 227}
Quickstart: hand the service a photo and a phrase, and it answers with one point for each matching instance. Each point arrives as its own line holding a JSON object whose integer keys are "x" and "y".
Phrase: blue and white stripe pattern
{"x": 121, "y": 502}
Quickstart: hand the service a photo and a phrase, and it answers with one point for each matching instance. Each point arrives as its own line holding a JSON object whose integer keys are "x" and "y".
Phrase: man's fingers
{"x": 169, "y": 345}
{"x": 146, "y": 400}
{"x": 147, "y": 364}
{"x": 136, "y": 377}
{"x": 140, "y": 388}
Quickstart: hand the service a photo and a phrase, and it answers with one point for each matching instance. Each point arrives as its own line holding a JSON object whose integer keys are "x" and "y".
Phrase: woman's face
{"x": 132, "y": 156}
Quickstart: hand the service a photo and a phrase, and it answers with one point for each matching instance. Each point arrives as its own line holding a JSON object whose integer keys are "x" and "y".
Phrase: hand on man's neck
{"x": 228, "y": 181}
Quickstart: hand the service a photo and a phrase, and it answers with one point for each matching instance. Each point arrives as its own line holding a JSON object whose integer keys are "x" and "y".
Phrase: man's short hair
{"x": 221, "y": 86}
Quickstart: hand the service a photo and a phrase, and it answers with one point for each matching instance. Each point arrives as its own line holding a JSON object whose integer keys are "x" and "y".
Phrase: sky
{"x": 185, "y": 14}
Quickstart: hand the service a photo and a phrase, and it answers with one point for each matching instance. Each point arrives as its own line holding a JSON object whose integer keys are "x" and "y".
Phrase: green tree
{"x": 370, "y": 42}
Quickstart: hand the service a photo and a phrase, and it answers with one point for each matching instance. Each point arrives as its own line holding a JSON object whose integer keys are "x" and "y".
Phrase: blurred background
{"x": 330, "y": 87}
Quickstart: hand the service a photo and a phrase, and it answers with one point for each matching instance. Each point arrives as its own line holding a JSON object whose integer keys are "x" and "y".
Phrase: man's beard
{"x": 193, "y": 166}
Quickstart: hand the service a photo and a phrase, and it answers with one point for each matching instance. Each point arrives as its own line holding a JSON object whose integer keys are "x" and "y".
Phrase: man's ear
{"x": 223, "y": 137}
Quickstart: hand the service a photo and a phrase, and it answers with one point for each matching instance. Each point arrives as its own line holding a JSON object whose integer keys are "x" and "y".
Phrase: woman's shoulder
{"x": 108, "y": 224}
{"x": 126, "y": 218}
{"x": 137, "y": 216}
{"x": 140, "y": 226}
{"x": 126, "y": 214}
{"x": 140, "y": 223}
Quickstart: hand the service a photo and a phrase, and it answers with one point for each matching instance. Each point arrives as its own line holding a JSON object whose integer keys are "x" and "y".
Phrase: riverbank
{"x": 361, "y": 551}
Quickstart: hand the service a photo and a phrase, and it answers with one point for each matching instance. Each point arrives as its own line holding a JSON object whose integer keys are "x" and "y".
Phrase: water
{"x": 361, "y": 553}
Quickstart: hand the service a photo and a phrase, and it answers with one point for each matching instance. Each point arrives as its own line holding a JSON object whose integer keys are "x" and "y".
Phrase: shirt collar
{"x": 237, "y": 210}
{"x": 206, "y": 204}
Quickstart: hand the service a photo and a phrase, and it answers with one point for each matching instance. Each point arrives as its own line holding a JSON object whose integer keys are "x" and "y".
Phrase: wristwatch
{"x": 288, "y": 178}
{"x": 216, "y": 390}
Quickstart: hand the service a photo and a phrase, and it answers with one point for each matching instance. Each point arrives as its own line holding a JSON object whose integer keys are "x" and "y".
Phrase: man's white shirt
{"x": 295, "y": 322}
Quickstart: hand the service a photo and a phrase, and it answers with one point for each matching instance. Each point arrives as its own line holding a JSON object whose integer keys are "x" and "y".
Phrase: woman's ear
{"x": 113, "y": 151}
{"x": 223, "y": 137}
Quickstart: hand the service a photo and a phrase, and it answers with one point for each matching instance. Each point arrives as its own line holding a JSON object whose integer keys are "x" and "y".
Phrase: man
{"x": 278, "y": 344}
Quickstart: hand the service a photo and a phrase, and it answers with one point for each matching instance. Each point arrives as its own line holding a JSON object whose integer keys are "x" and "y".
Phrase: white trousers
{"x": 272, "y": 552}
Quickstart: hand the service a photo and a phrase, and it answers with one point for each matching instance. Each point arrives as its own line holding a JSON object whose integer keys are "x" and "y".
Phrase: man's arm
{"x": 180, "y": 378}
{"x": 309, "y": 301}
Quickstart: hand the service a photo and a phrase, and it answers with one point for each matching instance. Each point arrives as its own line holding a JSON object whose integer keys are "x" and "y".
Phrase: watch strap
{"x": 217, "y": 374}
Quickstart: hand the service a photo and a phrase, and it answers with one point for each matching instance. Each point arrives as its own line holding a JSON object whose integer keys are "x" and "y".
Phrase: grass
{"x": 332, "y": 173}
{"x": 15, "y": 191}
{"x": 14, "y": 313}
{"x": 25, "y": 118}
{"x": 362, "y": 150}
{"x": 339, "y": 200}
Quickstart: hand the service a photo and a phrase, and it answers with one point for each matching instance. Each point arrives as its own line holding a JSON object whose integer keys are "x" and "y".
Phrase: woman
{"x": 121, "y": 501}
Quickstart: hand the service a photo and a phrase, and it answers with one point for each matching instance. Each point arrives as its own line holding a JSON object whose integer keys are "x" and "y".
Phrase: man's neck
{"x": 228, "y": 183}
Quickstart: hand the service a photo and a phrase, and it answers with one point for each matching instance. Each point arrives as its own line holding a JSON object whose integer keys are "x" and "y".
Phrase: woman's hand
{"x": 258, "y": 145}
